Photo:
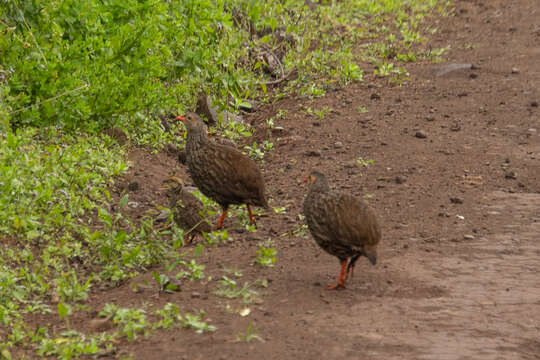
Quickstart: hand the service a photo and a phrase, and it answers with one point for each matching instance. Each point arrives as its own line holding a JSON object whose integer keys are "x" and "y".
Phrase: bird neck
{"x": 195, "y": 140}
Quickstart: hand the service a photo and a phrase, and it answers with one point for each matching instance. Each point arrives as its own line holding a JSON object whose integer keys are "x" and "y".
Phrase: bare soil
{"x": 458, "y": 270}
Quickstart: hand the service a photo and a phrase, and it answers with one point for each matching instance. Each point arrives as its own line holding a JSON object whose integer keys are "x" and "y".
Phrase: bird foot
{"x": 337, "y": 286}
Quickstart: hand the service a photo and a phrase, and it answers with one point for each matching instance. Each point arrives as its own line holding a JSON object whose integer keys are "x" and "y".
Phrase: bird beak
{"x": 180, "y": 118}
{"x": 372, "y": 259}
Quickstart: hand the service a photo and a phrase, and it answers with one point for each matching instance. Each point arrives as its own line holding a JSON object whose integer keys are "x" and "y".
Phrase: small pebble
{"x": 456, "y": 200}
{"x": 455, "y": 126}
{"x": 100, "y": 324}
{"x": 421, "y": 134}
{"x": 133, "y": 186}
{"x": 515, "y": 70}
{"x": 313, "y": 153}
{"x": 400, "y": 180}
{"x": 350, "y": 164}
{"x": 195, "y": 295}
{"x": 534, "y": 103}
{"x": 510, "y": 175}
{"x": 468, "y": 237}
{"x": 338, "y": 145}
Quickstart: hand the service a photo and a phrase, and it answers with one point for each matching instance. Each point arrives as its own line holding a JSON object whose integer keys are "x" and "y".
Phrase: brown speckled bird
{"x": 341, "y": 224}
{"x": 221, "y": 172}
{"x": 187, "y": 209}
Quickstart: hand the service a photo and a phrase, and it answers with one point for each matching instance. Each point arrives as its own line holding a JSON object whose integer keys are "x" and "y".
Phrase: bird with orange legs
{"x": 342, "y": 225}
{"x": 221, "y": 172}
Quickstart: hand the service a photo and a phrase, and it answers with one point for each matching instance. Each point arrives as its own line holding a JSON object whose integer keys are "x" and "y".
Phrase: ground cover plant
{"x": 71, "y": 69}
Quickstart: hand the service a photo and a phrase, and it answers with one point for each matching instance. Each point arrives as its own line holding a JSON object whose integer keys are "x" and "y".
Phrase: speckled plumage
{"x": 187, "y": 210}
{"x": 221, "y": 172}
{"x": 341, "y": 224}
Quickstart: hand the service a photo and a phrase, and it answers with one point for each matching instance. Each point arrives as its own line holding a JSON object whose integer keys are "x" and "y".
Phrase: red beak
{"x": 180, "y": 118}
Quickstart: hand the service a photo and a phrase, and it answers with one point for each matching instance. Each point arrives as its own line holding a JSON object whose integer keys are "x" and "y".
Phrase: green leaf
{"x": 63, "y": 309}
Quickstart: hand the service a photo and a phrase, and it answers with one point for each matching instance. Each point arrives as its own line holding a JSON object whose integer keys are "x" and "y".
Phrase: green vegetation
{"x": 231, "y": 289}
{"x": 91, "y": 64}
{"x": 266, "y": 254}
{"x": 249, "y": 335}
{"x": 70, "y": 69}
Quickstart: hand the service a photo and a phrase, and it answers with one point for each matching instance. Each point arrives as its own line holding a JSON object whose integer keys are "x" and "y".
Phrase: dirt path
{"x": 457, "y": 279}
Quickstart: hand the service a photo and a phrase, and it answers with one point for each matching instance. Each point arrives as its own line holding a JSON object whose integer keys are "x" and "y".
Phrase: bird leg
{"x": 251, "y": 217}
{"x": 350, "y": 266}
{"x": 341, "y": 281}
{"x": 221, "y": 219}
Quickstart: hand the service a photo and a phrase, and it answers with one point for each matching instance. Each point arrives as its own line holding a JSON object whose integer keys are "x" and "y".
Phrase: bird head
{"x": 193, "y": 122}
{"x": 314, "y": 176}
{"x": 370, "y": 251}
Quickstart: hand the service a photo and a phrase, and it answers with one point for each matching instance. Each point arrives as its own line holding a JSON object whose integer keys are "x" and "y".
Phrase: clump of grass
{"x": 250, "y": 334}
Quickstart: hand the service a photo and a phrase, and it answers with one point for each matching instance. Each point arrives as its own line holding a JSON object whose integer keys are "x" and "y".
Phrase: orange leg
{"x": 221, "y": 219}
{"x": 251, "y": 217}
{"x": 341, "y": 281}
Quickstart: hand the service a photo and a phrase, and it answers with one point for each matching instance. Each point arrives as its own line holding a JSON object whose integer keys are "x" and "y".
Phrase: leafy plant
{"x": 364, "y": 163}
{"x": 266, "y": 254}
{"x": 193, "y": 272}
{"x": 249, "y": 335}
{"x": 130, "y": 321}
{"x": 398, "y": 74}
{"x": 69, "y": 288}
{"x": 196, "y": 322}
{"x": 164, "y": 283}
{"x": 72, "y": 344}
{"x": 171, "y": 316}
{"x": 230, "y": 289}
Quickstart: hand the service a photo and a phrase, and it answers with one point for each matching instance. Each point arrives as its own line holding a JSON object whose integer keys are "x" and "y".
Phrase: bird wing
{"x": 240, "y": 174}
{"x": 352, "y": 221}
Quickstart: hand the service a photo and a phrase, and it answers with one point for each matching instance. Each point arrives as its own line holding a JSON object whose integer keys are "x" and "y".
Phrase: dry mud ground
{"x": 456, "y": 279}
